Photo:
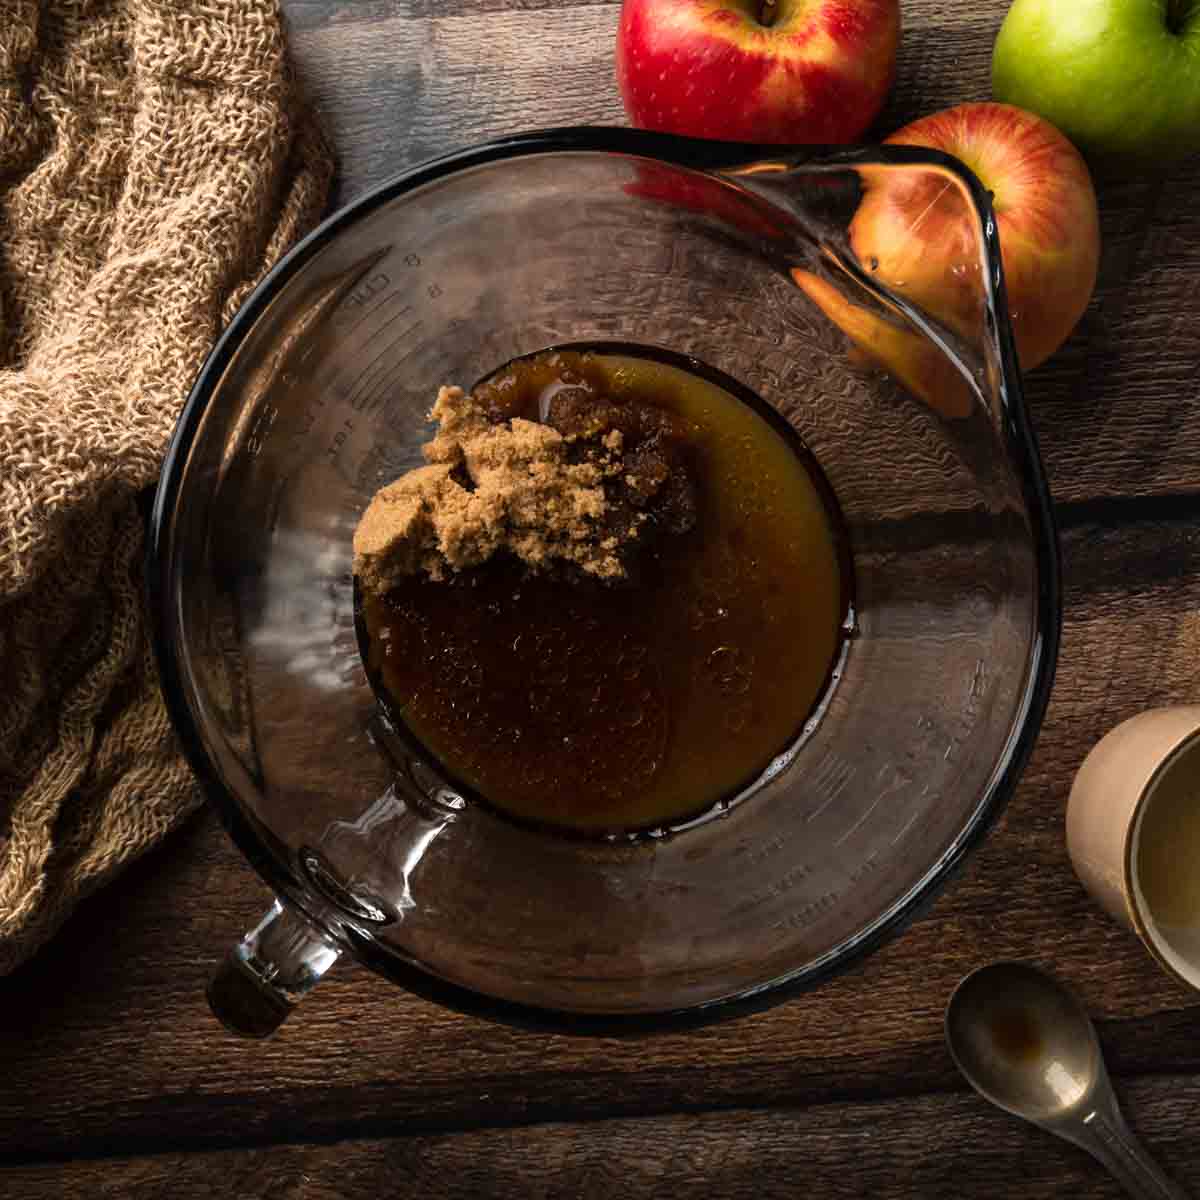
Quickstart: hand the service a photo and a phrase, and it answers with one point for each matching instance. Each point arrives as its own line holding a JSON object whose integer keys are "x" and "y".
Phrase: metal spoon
{"x": 1026, "y": 1044}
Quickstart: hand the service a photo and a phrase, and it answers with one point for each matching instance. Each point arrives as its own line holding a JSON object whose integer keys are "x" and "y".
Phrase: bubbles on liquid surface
{"x": 730, "y": 669}
{"x": 632, "y": 716}
{"x": 630, "y": 659}
{"x": 737, "y": 715}
{"x": 572, "y": 705}
{"x": 707, "y": 607}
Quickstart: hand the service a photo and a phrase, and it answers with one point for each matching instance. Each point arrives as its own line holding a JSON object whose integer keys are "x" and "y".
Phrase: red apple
{"x": 663, "y": 184}
{"x": 746, "y": 70}
{"x": 918, "y": 236}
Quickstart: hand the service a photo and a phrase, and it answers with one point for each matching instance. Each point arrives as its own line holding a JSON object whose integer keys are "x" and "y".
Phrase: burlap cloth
{"x": 155, "y": 159}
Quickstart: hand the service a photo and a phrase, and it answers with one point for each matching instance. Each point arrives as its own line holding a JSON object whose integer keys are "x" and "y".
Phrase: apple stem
{"x": 1177, "y": 11}
{"x": 770, "y": 10}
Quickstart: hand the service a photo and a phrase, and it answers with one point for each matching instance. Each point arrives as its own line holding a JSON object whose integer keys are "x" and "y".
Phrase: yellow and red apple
{"x": 914, "y": 361}
{"x": 916, "y": 233}
{"x": 799, "y": 71}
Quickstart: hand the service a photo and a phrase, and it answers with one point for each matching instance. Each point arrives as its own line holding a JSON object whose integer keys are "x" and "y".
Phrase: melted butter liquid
{"x": 597, "y": 709}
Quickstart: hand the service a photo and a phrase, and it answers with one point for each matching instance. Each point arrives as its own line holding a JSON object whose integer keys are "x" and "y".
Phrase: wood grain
{"x": 400, "y": 82}
{"x": 108, "y": 1027}
{"x": 107, "y": 1047}
{"x": 930, "y": 1146}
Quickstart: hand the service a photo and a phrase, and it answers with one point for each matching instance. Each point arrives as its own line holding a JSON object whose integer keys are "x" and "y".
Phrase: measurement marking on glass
{"x": 391, "y": 320}
{"x": 907, "y": 826}
{"x": 259, "y": 430}
{"x": 369, "y": 400}
{"x": 836, "y": 775}
{"x": 773, "y": 890}
{"x": 892, "y": 779}
{"x": 381, "y": 355}
{"x": 339, "y": 440}
{"x": 400, "y": 312}
{"x": 978, "y": 679}
{"x": 808, "y": 914}
{"x": 361, "y": 317}
{"x": 868, "y": 866}
{"x": 861, "y": 820}
{"x": 364, "y": 401}
{"x": 776, "y": 844}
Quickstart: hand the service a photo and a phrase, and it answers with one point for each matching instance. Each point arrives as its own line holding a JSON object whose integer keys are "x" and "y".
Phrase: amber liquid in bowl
{"x": 597, "y": 708}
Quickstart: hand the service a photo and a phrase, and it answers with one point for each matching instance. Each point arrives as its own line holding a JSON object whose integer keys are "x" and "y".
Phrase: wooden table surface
{"x": 116, "y": 1081}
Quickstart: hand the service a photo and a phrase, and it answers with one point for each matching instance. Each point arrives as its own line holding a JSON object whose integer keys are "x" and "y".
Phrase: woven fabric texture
{"x": 155, "y": 159}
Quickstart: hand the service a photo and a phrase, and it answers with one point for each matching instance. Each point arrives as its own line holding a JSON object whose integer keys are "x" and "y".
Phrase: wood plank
{"x": 399, "y": 81}
{"x": 931, "y": 1146}
{"x": 108, "y": 1028}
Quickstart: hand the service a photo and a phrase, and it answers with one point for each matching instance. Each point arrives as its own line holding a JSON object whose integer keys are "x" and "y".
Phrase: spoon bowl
{"x": 1026, "y": 1044}
{"x": 1023, "y": 1042}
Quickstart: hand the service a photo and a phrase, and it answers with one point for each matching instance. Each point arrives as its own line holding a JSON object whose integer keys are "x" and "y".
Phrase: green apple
{"x": 1121, "y": 78}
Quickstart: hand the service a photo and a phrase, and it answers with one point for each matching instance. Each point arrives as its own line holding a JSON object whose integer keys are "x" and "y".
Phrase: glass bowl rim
{"x": 1018, "y": 434}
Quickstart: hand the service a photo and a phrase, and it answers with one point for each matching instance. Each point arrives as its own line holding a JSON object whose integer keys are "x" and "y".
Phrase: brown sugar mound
{"x": 490, "y": 487}
{"x": 578, "y": 490}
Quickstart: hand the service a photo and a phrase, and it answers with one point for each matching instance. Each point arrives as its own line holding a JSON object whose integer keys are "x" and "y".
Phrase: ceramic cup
{"x": 1133, "y": 832}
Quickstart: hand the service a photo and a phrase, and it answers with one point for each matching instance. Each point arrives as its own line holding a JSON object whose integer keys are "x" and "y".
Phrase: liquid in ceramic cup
{"x": 1133, "y": 832}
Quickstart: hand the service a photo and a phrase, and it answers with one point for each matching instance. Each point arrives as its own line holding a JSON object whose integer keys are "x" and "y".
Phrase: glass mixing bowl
{"x": 317, "y": 395}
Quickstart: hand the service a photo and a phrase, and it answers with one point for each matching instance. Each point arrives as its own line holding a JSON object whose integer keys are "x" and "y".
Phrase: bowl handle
{"x": 269, "y": 972}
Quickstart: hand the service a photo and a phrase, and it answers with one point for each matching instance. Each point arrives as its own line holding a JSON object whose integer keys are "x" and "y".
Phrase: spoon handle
{"x": 1104, "y": 1134}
